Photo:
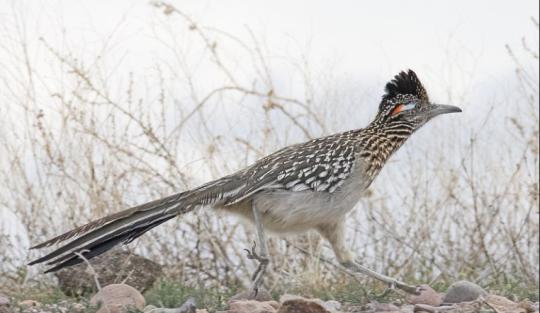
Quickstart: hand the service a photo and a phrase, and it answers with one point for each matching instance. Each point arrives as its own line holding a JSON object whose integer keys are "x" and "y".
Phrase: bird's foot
{"x": 392, "y": 283}
{"x": 395, "y": 285}
{"x": 260, "y": 272}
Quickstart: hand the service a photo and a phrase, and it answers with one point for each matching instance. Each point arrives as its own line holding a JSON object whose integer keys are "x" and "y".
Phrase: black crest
{"x": 405, "y": 83}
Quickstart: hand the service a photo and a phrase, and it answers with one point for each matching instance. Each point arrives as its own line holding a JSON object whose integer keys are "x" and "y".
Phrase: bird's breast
{"x": 293, "y": 212}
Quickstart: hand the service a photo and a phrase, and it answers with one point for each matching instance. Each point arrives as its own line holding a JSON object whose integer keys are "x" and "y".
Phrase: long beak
{"x": 439, "y": 109}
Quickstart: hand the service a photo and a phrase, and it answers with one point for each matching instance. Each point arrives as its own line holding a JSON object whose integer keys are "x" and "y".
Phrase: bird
{"x": 305, "y": 186}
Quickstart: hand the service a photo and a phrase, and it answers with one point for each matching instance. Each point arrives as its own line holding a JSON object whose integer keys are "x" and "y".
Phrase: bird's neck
{"x": 378, "y": 141}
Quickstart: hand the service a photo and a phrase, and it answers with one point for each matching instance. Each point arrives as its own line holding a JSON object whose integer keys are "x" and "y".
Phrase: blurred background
{"x": 105, "y": 105}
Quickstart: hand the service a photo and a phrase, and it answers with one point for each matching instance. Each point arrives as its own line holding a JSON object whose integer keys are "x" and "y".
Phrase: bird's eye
{"x": 404, "y": 107}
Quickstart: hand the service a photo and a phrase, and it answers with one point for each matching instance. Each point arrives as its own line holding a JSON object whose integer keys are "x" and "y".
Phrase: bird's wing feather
{"x": 319, "y": 165}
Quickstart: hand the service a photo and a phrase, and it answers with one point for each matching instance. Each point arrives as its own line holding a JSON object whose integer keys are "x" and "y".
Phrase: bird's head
{"x": 406, "y": 102}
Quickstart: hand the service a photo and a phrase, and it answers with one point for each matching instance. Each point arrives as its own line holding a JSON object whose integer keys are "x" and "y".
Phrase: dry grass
{"x": 81, "y": 138}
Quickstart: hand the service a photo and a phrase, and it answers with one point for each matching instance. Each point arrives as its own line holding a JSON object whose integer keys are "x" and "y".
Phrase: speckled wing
{"x": 319, "y": 165}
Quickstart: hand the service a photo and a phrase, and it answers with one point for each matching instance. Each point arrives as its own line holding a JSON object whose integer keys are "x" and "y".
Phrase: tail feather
{"x": 73, "y": 259}
{"x": 91, "y": 251}
{"x": 112, "y": 228}
{"x": 163, "y": 202}
{"x": 101, "y": 235}
{"x": 118, "y": 228}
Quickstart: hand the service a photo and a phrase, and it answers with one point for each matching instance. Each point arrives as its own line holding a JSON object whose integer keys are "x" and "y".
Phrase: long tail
{"x": 101, "y": 235}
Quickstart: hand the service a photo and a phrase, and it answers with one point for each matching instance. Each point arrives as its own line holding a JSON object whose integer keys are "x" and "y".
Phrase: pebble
{"x": 189, "y": 306}
{"x": 303, "y": 305}
{"x": 427, "y": 296}
{"x": 463, "y": 291}
{"x": 119, "y": 295}
{"x": 253, "y": 306}
{"x": 330, "y": 306}
{"x": 30, "y": 304}
{"x": 407, "y": 309}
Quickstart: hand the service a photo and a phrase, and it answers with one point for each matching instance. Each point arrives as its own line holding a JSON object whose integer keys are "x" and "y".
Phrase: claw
{"x": 252, "y": 255}
{"x": 260, "y": 272}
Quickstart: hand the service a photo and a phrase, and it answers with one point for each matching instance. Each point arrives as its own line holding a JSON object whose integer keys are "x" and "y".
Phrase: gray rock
{"x": 113, "y": 267}
{"x": 332, "y": 305}
{"x": 359, "y": 309}
{"x": 189, "y": 306}
{"x": 5, "y": 306}
{"x": 463, "y": 291}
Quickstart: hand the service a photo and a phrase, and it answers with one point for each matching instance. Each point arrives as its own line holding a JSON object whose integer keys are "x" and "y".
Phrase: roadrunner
{"x": 310, "y": 185}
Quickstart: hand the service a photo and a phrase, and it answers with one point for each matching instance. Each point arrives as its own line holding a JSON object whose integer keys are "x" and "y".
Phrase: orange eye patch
{"x": 397, "y": 110}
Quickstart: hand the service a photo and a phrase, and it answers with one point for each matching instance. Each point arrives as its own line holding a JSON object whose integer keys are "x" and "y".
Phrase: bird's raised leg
{"x": 262, "y": 257}
{"x": 335, "y": 234}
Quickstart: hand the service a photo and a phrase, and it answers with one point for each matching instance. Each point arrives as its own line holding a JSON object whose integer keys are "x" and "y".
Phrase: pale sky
{"x": 367, "y": 40}
{"x": 457, "y": 44}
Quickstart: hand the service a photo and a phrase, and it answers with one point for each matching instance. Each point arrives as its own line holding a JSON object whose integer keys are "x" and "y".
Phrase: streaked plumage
{"x": 310, "y": 185}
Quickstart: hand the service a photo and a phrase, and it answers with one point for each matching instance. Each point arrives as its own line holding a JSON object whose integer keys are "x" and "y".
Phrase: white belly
{"x": 293, "y": 212}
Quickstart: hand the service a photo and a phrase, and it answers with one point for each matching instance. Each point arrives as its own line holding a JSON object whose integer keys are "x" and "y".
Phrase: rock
{"x": 377, "y": 307}
{"x": 504, "y": 304}
{"x": 302, "y": 306}
{"x": 427, "y": 296}
{"x": 287, "y": 297}
{"x": 5, "y": 306}
{"x": 500, "y": 301}
{"x": 163, "y": 310}
{"x": 252, "y": 306}
{"x": 332, "y": 305}
{"x": 463, "y": 291}
{"x": 110, "y": 309}
{"x": 386, "y": 307}
{"x": 527, "y": 305}
{"x": 513, "y": 297}
{"x": 431, "y": 309}
{"x": 424, "y": 308}
{"x": 262, "y": 295}
{"x": 119, "y": 295}
{"x": 78, "y": 307}
{"x": 112, "y": 267}
{"x": 30, "y": 304}
{"x": 407, "y": 309}
{"x": 201, "y": 311}
{"x": 188, "y": 307}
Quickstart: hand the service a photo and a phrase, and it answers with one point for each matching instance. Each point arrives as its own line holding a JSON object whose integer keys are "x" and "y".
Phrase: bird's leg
{"x": 335, "y": 234}
{"x": 262, "y": 257}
